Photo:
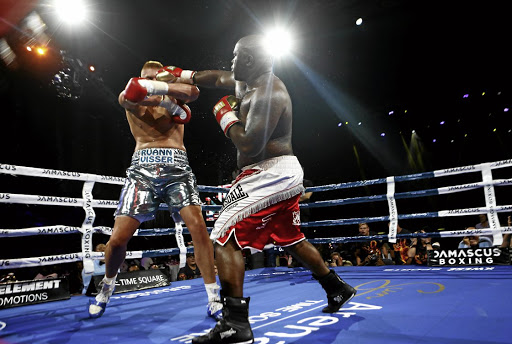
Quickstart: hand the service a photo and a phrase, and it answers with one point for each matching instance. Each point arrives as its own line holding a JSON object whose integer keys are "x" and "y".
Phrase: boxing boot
{"x": 234, "y": 326}
{"x": 97, "y": 307}
{"x": 338, "y": 291}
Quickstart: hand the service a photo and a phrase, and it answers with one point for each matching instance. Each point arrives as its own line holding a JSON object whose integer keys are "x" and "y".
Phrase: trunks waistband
{"x": 160, "y": 156}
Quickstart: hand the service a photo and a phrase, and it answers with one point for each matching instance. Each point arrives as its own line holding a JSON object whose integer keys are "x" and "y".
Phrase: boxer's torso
{"x": 152, "y": 127}
{"x": 280, "y": 140}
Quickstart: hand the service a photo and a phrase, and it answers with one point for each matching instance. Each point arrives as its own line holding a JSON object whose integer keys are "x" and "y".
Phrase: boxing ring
{"x": 394, "y": 304}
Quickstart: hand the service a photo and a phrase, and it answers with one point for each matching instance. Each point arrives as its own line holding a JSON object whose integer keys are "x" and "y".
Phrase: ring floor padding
{"x": 394, "y": 305}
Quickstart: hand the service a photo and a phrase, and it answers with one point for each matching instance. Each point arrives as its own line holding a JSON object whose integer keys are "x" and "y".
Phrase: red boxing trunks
{"x": 262, "y": 206}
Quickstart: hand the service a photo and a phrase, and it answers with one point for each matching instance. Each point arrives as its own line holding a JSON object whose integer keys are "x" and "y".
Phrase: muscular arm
{"x": 215, "y": 78}
{"x": 184, "y": 92}
{"x": 265, "y": 110}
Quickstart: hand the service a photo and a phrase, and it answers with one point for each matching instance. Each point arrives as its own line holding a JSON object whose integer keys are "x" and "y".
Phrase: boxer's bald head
{"x": 251, "y": 58}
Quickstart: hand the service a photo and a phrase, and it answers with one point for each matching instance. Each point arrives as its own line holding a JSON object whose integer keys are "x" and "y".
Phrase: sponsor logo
{"x": 107, "y": 202}
{"x": 57, "y": 199}
{"x": 14, "y": 288}
{"x": 459, "y": 169}
{"x": 61, "y": 173}
{"x": 57, "y": 230}
{"x": 7, "y": 167}
{"x": 463, "y": 187}
{"x": 113, "y": 179}
{"x": 72, "y": 256}
{"x": 265, "y": 220}
{"x": 235, "y": 194}
{"x": 227, "y": 333}
{"x": 296, "y": 218}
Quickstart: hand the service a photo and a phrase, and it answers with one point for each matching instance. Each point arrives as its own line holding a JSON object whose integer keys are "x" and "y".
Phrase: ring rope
{"x": 88, "y": 203}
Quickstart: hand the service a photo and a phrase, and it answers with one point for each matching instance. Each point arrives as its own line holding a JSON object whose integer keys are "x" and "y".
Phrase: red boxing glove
{"x": 180, "y": 112}
{"x": 170, "y": 73}
{"x": 226, "y": 113}
{"x": 183, "y": 115}
{"x": 138, "y": 89}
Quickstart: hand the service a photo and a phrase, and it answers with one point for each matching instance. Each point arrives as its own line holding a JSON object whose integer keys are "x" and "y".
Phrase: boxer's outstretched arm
{"x": 215, "y": 78}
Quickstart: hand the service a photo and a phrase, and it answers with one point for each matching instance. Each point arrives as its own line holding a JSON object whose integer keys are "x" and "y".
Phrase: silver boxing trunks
{"x": 157, "y": 175}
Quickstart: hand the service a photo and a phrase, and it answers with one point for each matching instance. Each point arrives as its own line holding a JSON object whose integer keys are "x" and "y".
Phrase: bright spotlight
{"x": 359, "y": 21}
{"x": 92, "y": 68}
{"x": 41, "y": 51}
{"x": 70, "y": 11}
{"x": 278, "y": 42}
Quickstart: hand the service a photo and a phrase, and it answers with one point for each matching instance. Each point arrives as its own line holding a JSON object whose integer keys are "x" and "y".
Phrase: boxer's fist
{"x": 171, "y": 73}
{"x": 226, "y": 112}
{"x": 183, "y": 115}
{"x": 180, "y": 112}
{"x": 138, "y": 89}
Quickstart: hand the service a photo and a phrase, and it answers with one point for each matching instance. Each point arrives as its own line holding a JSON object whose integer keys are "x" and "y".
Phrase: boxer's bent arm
{"x": 264, "y": 113}
{"x": 184, "y": 92}
{"x": 215, "y": 78}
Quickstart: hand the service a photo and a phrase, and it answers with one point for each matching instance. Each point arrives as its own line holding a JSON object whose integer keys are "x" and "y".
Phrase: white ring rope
{"x": 88, "y": 203}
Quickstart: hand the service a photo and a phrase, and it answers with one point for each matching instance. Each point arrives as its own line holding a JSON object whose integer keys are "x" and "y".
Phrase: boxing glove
{"x": 180, "y": 112}
{"x": 170, "y": 73}
{"x": 226, "y": 112}
{"x": 138, "y": 89}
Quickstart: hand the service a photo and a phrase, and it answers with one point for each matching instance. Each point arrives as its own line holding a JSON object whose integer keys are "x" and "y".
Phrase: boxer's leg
{"x": 338, "y": 291}
{"x": 203, "y": 246}
{"x": 231, "y": 266}
{"x": 203, "y": 250}
{"x": 115, "y": 252}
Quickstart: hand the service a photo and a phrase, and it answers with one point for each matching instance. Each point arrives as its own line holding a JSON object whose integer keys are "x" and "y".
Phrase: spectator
{"x": 417, "y": 253}
{"x": 46, "y": 272}
{"x": 337, "y": 260}
{"x": 368, "y": 253}
{"x": 506, "y": 237}
{"x": 8, "y": 278}
{"x": 475, "y": 241}
{"x": 483, "y": 222}
{"x": 190, "y": 270}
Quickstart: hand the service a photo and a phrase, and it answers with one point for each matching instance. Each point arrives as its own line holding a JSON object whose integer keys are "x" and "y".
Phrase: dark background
{"x": 417, "y": 59}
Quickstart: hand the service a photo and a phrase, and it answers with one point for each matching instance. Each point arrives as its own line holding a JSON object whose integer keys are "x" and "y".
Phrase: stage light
{"x": 391, "y": 112}
{"x": 41, "y": 51}
{"x": 29, "y": 48}
{"x": 278, "y": 42}
{"x": 359, "y": 123}
{"x": 382, "y": 134}
{"x": 359, "y": 21}
{"x": 505, "y": 109}
{"x": 494, "y": 130}
{"x": 465, "y": 96}
{"x": 434, "y": 140}
{"x": 441, "y": 123}
{"x": 70, "y": 11}
{"x": 340, "y": 124}
{"x": 92, "y": 68}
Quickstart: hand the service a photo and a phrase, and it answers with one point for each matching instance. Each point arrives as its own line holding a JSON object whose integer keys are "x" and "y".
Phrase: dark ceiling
{"x": 414, "y": 59}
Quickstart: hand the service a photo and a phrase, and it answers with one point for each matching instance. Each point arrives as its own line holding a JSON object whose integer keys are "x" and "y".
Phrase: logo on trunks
{"x": 234, "y": 196}
{"x": 296, "y": 218}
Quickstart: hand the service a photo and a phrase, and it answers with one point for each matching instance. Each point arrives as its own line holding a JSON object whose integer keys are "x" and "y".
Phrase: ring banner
{"x": 470, "y": 256}
{"x": 23, "y": 293}
{"x": 132, "y": 281}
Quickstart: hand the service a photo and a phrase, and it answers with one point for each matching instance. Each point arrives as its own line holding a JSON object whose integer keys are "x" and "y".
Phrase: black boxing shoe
{"x": 338, "y": 291}
{"x": 234, "y": 327}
